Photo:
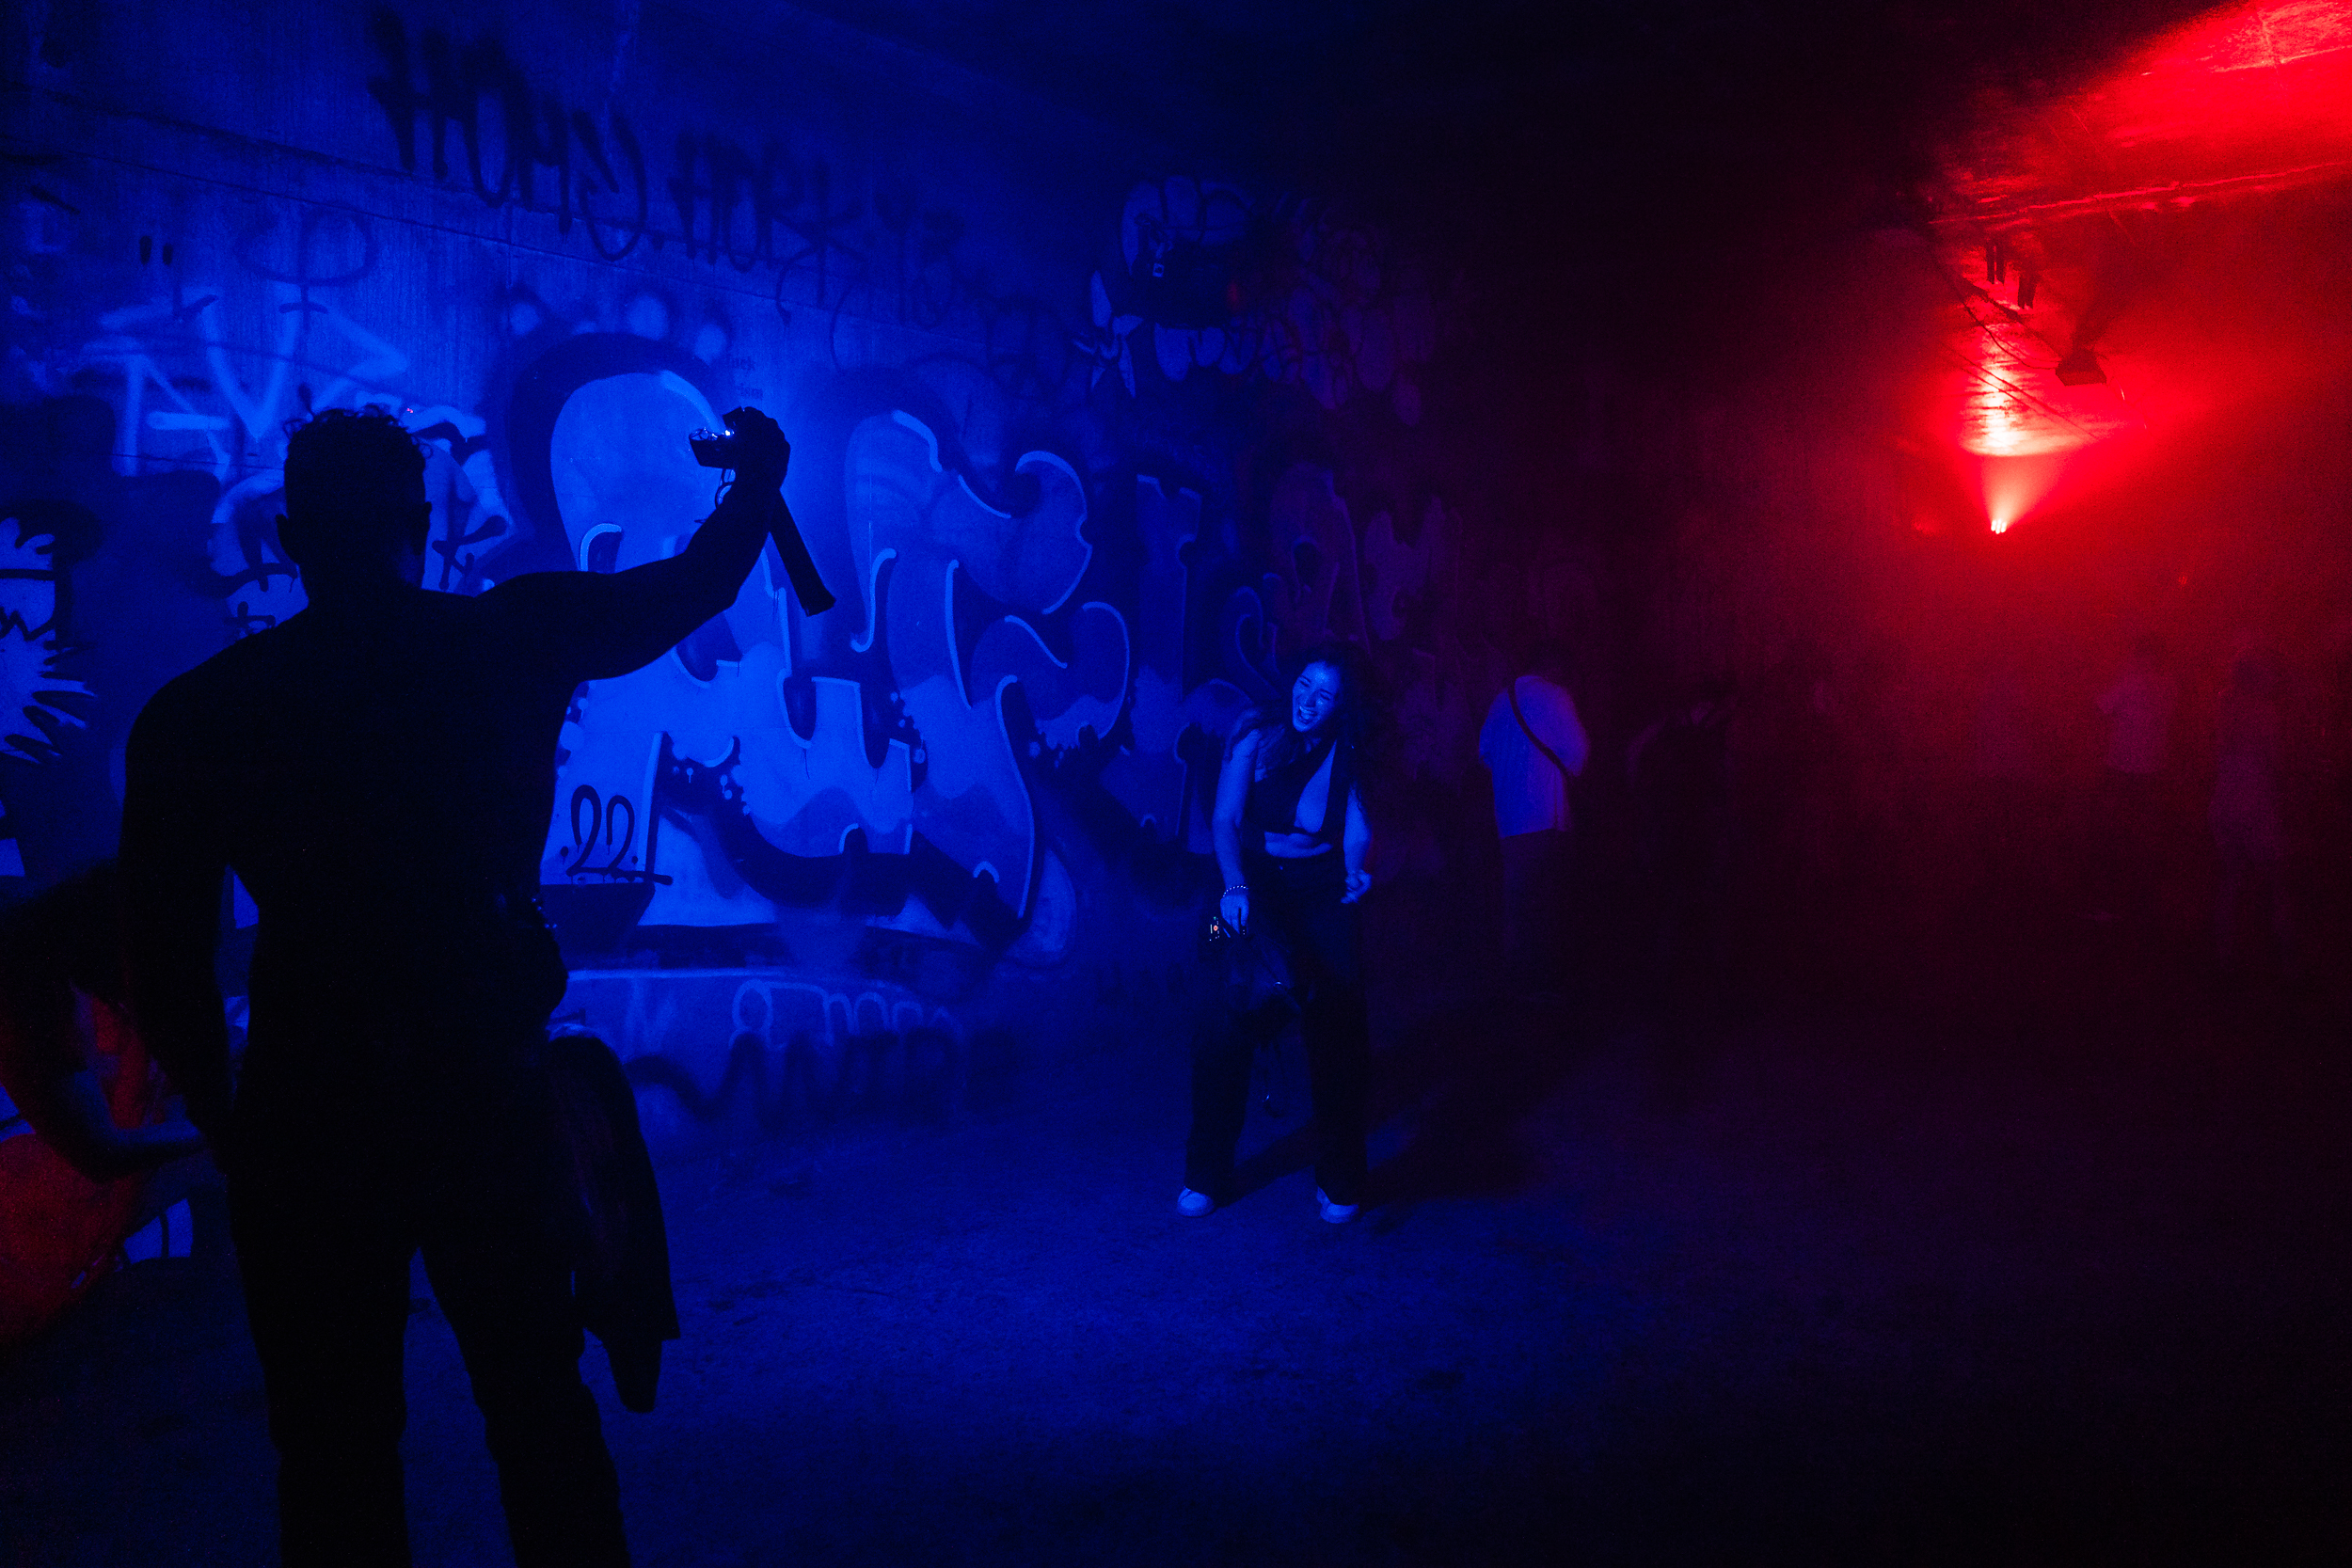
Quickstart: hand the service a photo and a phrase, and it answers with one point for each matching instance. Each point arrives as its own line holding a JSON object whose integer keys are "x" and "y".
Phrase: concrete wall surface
{"x": 1068, "y": 418}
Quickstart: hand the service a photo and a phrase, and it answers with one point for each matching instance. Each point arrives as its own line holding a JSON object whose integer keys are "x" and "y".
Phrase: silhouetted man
{"x": 380, "y": 773}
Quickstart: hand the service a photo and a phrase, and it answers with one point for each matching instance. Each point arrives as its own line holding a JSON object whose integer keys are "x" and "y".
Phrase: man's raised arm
{"x": 613, "y": 624}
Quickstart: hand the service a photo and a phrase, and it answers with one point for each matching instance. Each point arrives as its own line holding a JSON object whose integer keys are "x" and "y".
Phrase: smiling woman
{"x": 1291, "y": 839}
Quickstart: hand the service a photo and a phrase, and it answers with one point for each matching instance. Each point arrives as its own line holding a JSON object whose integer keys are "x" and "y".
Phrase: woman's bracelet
{"x": 1230, "y": 891}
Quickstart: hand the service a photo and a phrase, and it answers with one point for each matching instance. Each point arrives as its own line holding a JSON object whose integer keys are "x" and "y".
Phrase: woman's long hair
{"x": 1354, "y": 720}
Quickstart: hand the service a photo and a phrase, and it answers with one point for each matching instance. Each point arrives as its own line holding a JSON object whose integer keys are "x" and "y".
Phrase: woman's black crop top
{"x": 1272, "y": 805}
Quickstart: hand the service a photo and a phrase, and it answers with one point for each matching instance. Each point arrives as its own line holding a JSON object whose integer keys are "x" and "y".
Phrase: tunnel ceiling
{"x": 1405, "y": 88}
{"x": 1217, "y": 76}
{"x": 2071, "y": 168}
{"x": 1366, "y": 81}
{"x": 2130, "y": 232}
{"x": 1634, "y": 136}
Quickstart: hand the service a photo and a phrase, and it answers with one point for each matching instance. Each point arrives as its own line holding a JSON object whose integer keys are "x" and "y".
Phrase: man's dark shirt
{"x": 378, "y": 772}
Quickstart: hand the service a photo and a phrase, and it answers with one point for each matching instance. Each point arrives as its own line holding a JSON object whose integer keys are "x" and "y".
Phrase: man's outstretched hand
{"x": 762, "y": 453}
{"x": 761, "y": 457}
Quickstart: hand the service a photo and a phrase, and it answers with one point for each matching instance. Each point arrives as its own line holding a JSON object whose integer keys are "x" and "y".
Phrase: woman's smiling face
{"x": 1314, "y": 697}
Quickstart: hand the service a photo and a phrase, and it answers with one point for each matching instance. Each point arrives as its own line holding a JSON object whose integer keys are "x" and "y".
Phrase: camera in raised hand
{"x": 751, "y": 445}
{"x": 754, "y": 449}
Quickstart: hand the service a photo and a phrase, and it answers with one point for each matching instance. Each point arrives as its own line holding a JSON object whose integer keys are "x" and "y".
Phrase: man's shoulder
{"x": 1532, "y": 695}
{"x": 1499, "y": 721}
{"x": 236, "y": 666}
{"x": 1544, "y": 688}
{"x": 1547, "y": 700}
{"x": 185, "y": 716}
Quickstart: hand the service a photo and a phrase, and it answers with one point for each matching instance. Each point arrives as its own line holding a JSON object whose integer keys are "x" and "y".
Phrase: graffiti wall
{"x": 1070, "y": 444}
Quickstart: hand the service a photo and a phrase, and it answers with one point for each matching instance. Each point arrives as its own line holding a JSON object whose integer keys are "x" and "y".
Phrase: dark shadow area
{"x": 1876, "y": 1281}
{"x": 1465, "y": 1083}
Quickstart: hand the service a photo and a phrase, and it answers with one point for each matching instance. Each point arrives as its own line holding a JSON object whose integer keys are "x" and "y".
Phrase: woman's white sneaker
{"x": 1193, "y": 1205}
{"x": 1334, "y": 1214}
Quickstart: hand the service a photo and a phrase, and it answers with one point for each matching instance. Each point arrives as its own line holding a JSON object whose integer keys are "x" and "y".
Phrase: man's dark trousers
{"x": 351, "y": 1155}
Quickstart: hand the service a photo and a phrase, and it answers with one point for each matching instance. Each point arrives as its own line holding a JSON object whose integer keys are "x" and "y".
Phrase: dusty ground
{"x": 1971, "y": 1278}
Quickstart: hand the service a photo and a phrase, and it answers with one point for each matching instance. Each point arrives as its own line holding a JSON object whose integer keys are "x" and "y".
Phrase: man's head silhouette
{"x": 356, "y": 514}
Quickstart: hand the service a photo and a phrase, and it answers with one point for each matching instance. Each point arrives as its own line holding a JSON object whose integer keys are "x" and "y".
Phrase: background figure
{"x": 1534, "y": 746}
{"x": 1787, "y": 772}
{"x": 1290, "y": 841}
{"x": 2247, "y": 815}
{"x": 2005, "y": 808}
{"x": 78, "y": 1074}
{"x": 2130, "y": 804}
{"x": 1678, "y": 770}
{"x": 379, "y": 771}
{"x": 69, "y": 1057}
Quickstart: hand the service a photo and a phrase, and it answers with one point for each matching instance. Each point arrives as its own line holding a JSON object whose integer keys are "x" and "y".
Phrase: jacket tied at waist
{"x": 396, "y": 952}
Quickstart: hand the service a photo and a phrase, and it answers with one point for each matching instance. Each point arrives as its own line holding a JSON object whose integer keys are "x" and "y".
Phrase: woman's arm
{"x": 1232, "y": 792}
{"x": 1354, "y": 848}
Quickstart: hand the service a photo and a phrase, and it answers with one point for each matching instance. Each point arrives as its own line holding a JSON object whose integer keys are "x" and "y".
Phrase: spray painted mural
{"x": 800, "y": 863}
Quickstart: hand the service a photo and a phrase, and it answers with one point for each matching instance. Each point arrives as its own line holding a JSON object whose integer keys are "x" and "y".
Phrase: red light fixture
{"x": 2081, "y": 368}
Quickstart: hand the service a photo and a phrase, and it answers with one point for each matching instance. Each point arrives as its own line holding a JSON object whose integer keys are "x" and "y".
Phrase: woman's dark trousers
{"x": 1297, "y": 904}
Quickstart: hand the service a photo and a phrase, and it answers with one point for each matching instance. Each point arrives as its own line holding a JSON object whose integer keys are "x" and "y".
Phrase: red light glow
{"x": 2014, "y": 485}
{"x": 2261, "y": 91}
{"x": 2065, "y": 232}
{"x": 2011, "y": 405}
{"x": 2246, "y": 99}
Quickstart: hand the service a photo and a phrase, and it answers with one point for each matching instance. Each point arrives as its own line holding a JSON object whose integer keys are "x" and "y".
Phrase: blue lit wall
{"x": 1072, "y": 434}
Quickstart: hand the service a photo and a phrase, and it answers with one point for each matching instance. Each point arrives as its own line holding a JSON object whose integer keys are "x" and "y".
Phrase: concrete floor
{"x": 1967, "y": 1282}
